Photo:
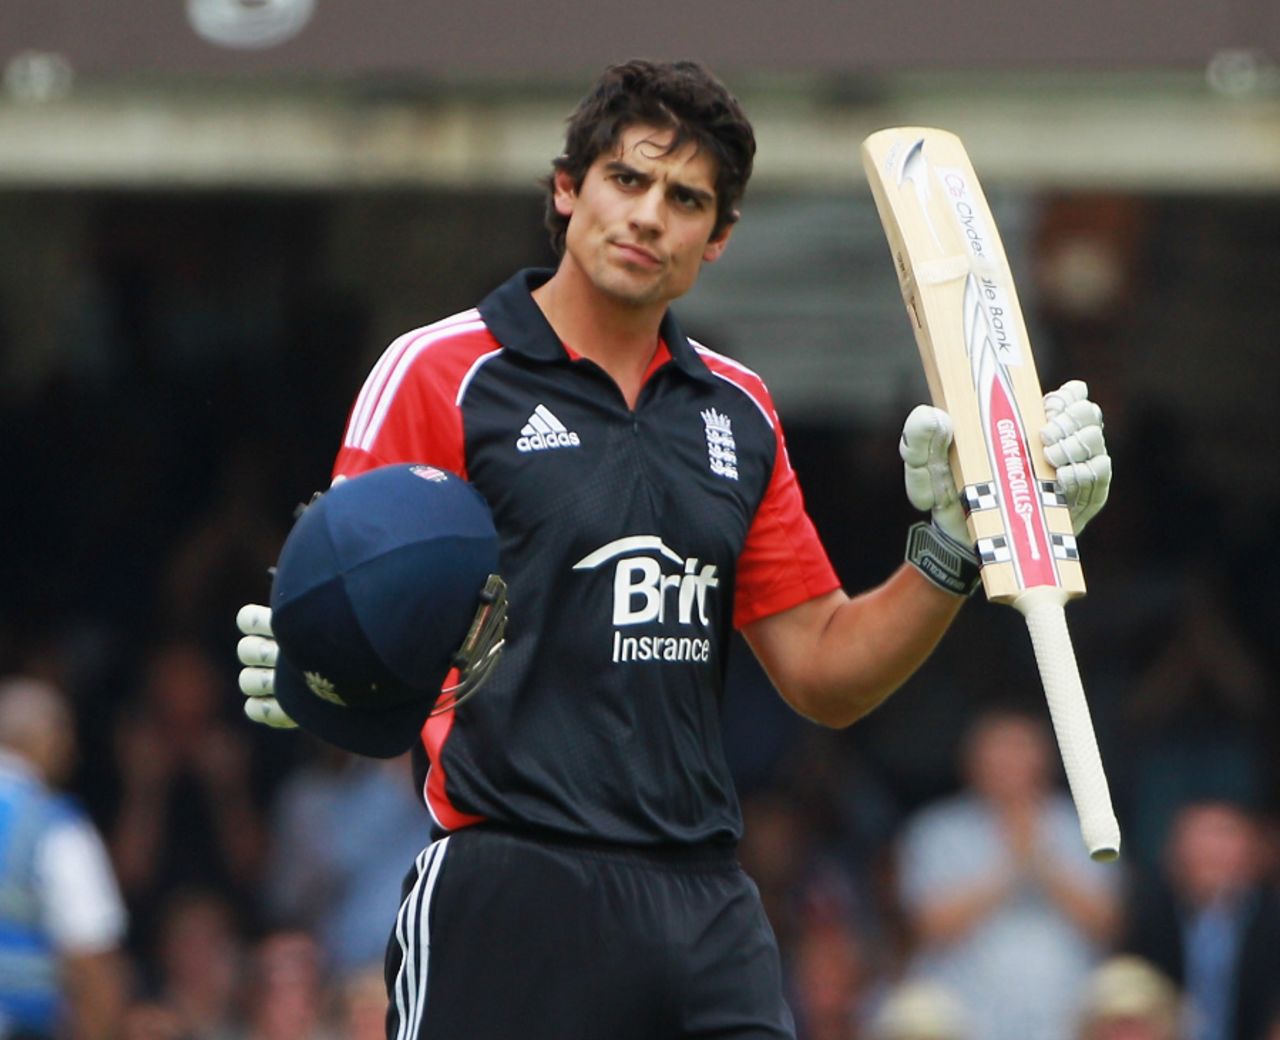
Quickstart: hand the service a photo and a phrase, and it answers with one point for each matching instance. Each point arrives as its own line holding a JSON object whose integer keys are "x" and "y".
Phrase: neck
{"x": 618, "y": 336}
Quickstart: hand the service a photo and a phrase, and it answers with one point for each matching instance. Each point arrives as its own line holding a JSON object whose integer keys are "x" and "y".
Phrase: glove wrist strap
{"x": 951, "y": 566}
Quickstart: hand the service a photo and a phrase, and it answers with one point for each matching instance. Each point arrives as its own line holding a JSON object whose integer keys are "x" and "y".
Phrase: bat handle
{"x": 1056, "y": 658}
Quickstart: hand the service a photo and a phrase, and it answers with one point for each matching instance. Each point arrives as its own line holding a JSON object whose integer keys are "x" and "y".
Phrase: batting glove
{"x": 257, "y": 652}
{"x": 926, "y": 437}
{"x": 941, "y": 550}
{"x": 1075, "y": 447}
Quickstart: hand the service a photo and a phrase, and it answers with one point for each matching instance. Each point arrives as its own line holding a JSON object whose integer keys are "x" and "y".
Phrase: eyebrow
{"x": 618, "y": 166}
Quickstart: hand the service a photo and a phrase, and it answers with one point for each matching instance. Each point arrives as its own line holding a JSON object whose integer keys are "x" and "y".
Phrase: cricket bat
{"x": 963, "y": 308}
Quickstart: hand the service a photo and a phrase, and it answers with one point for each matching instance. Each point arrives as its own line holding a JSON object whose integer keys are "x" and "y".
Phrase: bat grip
{"x": 1047, "y": 622}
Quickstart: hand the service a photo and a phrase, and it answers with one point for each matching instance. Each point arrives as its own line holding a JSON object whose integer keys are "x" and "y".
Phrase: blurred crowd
{"x": 249, "y": 910}
{"x": 923, "y": 871}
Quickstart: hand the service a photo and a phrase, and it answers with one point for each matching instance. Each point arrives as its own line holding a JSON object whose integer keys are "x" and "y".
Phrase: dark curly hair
{"x": 681, "y": 96}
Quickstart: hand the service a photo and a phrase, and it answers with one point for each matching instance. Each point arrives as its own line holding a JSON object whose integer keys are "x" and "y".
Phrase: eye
{"x": 687, "y": 200}
{"x": 625, "y": 179}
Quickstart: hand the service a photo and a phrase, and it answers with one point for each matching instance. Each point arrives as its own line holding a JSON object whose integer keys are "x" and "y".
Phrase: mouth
{"x": 637, "y": 255}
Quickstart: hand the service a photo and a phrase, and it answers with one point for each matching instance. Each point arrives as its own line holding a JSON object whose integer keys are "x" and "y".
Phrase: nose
{"x": 649, "y": 212}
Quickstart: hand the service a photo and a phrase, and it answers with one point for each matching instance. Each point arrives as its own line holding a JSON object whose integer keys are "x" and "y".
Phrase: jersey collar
{"x": 520, "y": 326}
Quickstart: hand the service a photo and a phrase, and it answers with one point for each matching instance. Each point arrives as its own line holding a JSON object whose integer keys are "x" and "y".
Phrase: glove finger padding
{"x": 254, "y": 619}
{"x": 1080, "y": 415}
{"x": 1086, "y": 486}
{"x": 1075, "y": 446}
{"x": 926, "y": 436}
{"x": 258, "y": 652}
{"x": 267, "y": 712}
{"x": 1087, "y": 444}
{"x": 258, "y": 682}
{"x": 1067, "y": 394}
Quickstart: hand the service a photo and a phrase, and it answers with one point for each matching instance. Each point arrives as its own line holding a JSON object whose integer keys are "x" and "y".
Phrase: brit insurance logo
{"x": 722, "y": 452}
{"x": 654, "y": 585}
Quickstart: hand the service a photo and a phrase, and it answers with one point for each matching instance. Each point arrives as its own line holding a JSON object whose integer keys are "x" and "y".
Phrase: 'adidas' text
{"x": 544, "y": 431}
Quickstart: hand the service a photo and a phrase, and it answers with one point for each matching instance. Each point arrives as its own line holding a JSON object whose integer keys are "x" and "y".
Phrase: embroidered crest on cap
{"x": 323, "y": 688}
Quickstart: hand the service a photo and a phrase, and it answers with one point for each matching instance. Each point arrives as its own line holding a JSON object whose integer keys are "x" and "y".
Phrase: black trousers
{"x": 504, "y": 937}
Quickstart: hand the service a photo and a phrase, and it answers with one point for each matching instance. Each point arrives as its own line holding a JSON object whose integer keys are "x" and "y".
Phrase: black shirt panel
{"x": 618, "y": 542}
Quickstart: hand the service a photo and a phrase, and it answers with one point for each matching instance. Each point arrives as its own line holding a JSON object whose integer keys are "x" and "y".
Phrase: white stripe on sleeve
{"x": 387, "y": 373}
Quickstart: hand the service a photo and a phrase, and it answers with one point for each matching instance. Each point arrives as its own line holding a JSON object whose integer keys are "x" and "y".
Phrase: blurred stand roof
{"x": 1165, "y": 94}
{"x": 346, "y": 96}
{"x": 502, "y": 38}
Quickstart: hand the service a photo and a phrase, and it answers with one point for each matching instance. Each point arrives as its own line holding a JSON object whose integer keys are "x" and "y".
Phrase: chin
{"x": 631, "y": 290}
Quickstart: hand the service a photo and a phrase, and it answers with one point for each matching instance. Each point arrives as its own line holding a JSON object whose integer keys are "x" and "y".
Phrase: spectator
{"x": 364, "y": 1005}
{"x": 61, "y": 916}
{"x": 1211, "y": 922}
{"x": 1200, "y": 714}
{"x": 1002, "y": 902}
{"x": 828, "y": 980}
{"x": 288, "y": 998}
{"x": 146, "y": 1020}
{"x": 320, "y": 875}
{"x": 778, "y": 851}
{"x": 920, "y": 1011}
{"x": 227, "y": 547}
{"x": 187, "y": 816}
{"x": 1128, "y": 999}
{"x": 198, "y": 963}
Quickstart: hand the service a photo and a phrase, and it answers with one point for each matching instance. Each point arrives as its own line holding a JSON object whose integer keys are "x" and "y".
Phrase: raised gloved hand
{"x": 1075, "y": 447}
{"x": 926, "y": 438}
{"x": 1073, "y": 444}
{"x": 941, "y": 549}
{"x": 257, "y": 652}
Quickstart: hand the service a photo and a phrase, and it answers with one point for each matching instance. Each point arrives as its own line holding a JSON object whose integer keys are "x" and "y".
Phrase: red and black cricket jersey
{"x": 631, "y": 541}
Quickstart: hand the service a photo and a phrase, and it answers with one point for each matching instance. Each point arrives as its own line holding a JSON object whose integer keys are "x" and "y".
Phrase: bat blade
{"x": 964, "y": 310}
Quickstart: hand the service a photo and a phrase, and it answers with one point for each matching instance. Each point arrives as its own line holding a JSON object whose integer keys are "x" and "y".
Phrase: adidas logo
{"x": 544, "y": 431}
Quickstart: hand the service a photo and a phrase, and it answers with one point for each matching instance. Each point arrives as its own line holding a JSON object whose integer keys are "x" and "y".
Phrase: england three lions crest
{"x": 722, "y": 452}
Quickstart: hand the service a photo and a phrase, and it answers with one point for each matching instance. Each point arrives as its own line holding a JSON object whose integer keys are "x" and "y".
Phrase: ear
{"x": 566, "y": 195}
{"x": 716, "y": 246}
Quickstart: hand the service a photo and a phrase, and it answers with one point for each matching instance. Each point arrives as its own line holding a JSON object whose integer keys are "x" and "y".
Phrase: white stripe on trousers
{"x": 413, "y": 934}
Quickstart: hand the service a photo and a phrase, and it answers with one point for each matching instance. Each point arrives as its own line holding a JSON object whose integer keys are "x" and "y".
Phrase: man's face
{"x": 640, "y": 225}
{"x": 1214, "y": 851}
{"x": 1008, "y": 760}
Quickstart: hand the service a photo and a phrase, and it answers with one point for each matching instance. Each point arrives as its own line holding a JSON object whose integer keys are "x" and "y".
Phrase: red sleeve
{"x": 783, "y": 562}
{"x": 408, "y": 409}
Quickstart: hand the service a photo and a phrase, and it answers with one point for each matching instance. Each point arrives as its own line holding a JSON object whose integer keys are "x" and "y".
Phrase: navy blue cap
{"x": 374, "y": 592}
